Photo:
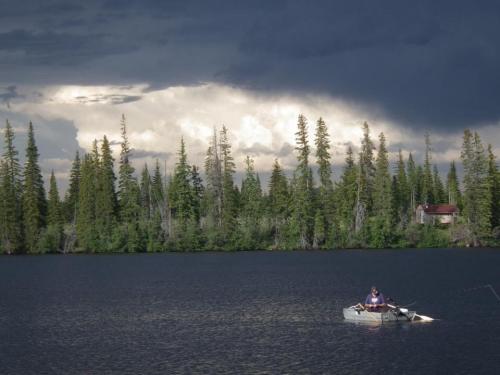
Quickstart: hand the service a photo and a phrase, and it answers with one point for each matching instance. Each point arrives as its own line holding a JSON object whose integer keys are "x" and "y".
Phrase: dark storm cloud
{"x": 139, "y": 154}
{"x": 112, "y": 98}
{"x": 424, "y": 64}
{"x": 7, "y": 94}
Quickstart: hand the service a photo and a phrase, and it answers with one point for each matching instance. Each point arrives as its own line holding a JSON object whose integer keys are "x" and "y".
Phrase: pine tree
{"x": 11, "y": 222}
{"x": 324, "y": 215}
{"x": 494, "y": 181}
{"x": 453, "y": 187}
{"x": 427, "y": 181}
{"x": 71, "y": 197}
{"x": 34, "y": 202}
{"x": 382, "y": 198}
{"x": 477, "y": 200}
{"x": 302, "y": 209}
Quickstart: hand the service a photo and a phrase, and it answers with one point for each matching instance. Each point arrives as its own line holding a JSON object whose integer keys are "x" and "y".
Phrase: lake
{"x": 248, "y": 312}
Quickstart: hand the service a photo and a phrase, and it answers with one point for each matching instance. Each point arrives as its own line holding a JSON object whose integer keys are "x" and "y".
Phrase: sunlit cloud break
{"x": 262, "y": 126}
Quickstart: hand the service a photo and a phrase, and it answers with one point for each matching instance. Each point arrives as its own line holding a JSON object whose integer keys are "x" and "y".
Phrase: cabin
{"x": 436, "y": 213}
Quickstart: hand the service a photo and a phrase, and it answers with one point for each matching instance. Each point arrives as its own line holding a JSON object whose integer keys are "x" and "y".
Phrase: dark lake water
{"x": 255, "y": 313}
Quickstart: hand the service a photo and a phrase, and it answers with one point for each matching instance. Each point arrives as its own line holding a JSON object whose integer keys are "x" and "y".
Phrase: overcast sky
{"x": 182, "y": 67}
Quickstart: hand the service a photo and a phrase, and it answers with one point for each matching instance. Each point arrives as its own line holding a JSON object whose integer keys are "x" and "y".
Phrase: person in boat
{"x": 375, "y": 300}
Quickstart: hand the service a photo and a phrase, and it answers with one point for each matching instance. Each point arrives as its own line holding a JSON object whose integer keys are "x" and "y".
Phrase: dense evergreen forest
{"x": 372, "y": 205}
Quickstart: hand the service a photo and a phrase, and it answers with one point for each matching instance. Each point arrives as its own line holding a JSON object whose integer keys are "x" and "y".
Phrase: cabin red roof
{"x": 440, "y": 209}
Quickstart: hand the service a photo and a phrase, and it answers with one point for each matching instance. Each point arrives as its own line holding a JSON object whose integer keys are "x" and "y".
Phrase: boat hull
{"x": 357, "y": 315}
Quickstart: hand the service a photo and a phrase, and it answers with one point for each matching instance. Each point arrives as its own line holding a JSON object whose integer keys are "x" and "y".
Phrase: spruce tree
{"x": 346, "y": 195}
{"x": 55, "y": 219}
{"x": 477, "y": 200}
{"x": 197, "y": 192}
{"x": 250, "y": 208}
{"x": 86, "y": 208}
{"x": 439, "y": 194}
{"x": 213, "y": 196}
{"x": 324, "y": 215}
{"x": 34, "y": 201}
{"x": 11, "y": 222}
{"x": 427, "y": 181}
{"x": 402, "y": 194}
{"x": 453, "y": 187}
{"x": 302, "y": 214}
{"x": 366, "y": 173}
{"x": 106, "y": 199}
{"x": 229, "y": 198}
{"x": 146, "y": 200}
{"x": 71, "y": 197}
{"x": 181, "y": 196}
{"x": 382, "y": 198}
{"x": 413, "y": 183}
{"x": 494, "y": 181}
{"x": 279, "y": 200}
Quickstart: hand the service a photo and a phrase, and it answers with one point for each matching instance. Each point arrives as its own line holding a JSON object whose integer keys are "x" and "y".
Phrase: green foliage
{"x": 11, "y": 220}
{"x": 494, "y": 182}
{"x": 345, "y": 196}
{"x": 426, "y": 194}
{"x": 106, "y": 200}
{"x": 34, "y": 202}
{"x": 381, "y": 224}
{"x": 368, "y": 206}
{"x": 453, "y": 187}
{"x": 438, "y": 192}
{"x": 402, "y": 194}
{"x": 55, "y": 220}
{"x": 477, "y": 193}
{"x": 302, "y": 223}
{"x": 278, "y": 204}
{"x": 86, "y": 213}
{"x": 72, "y": 195}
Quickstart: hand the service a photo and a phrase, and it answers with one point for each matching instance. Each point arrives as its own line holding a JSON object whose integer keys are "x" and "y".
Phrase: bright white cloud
{"x": 259, "y": 125}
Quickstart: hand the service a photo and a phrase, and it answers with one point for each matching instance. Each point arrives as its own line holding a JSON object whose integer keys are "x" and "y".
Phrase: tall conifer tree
{"x": 34, "y": 201}
{"x": 477, "y": 200}
{"x": 279, "y": 200}
{"x": 11, "y": 221}
{"x": 494, "y": 181}
{"x": 303, "y": 216}
{"x": 229, "y": 198}
{"x": 382, "y": 198}
{"x": 453, "y": 187}
{"x": 71, "y": 197}
{"x": 427, "y": 180}
{"x": 323, "y": 225}
{"x": 366, "y": 174}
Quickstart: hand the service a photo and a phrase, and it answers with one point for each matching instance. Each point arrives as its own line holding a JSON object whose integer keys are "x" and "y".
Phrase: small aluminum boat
{"x": 390, "y": 315}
